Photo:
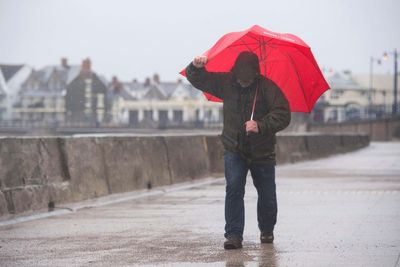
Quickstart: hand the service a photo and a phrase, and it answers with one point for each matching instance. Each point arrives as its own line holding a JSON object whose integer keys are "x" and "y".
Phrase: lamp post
{"x": 385, "y": 56}
{"x": 371, "y": 82}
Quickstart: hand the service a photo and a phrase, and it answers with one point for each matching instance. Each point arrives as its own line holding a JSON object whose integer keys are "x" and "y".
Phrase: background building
{"x": 86, "y": 99}
{"x": 62, "y": 94}
{"x": 162, "y": 104}
{"x": 11, "y": 79}
{"x": 351, "y": 97}
{"x": 75, "y": 95}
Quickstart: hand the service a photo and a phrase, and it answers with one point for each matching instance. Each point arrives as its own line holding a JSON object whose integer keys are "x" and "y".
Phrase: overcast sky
{"x": 135, "y": 39}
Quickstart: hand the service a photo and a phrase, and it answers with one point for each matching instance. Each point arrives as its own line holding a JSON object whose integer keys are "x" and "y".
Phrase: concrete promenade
{"x": 339, "y": 211}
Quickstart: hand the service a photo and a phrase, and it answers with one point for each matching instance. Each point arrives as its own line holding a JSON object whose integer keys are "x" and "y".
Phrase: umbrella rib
{"x": 262, "y": 59}
{"x": 252, "y": 50}
{"x": 247, "y": 46}
{"x": 264, "y": 43}
{"x": 257, "y": 40}
{"x": 234, "y": 45}
{"x": 298, "y": 78}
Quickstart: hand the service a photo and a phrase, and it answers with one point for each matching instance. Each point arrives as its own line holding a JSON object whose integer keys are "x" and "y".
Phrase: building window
{"x": 208, "y": 115}
{"x": 100, "y": 100}
{"x": 197, "y": 115}
{"x": 148, "y": 115}
{"x": 333, "y": 115}
{"x": 88, "y": 98}
{"x": 88, "y": 94}
{"x": 133, "y": 117}
{"x": 178, "y": 116}
{"x": 353, "y": 112}
{"x": 163, "y": 115}
{"x": 336, "y": 94}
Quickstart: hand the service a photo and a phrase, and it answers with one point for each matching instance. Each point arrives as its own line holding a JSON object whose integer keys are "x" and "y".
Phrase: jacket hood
{"x": 246, "y": 66}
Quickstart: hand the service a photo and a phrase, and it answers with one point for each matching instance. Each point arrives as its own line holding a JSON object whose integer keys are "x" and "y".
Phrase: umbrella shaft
{"x": 254, "y": 104}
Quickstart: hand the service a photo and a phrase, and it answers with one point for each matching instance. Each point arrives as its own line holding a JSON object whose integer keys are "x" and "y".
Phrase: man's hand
{"x": 200, "y": 61}
{"x": 251, "y": 126}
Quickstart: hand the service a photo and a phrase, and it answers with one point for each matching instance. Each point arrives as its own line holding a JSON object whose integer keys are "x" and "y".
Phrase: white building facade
{"x": 158, "y": 104}
{"x": 352, "y": 98}
{"x": 11, "y": 79}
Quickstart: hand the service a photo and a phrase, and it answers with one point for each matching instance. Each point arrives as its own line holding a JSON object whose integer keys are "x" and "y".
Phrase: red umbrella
{"x": 284, "y": 58}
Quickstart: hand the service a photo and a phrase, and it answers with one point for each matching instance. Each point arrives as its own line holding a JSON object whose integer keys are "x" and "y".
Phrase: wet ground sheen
{"x": 338, "y": 211}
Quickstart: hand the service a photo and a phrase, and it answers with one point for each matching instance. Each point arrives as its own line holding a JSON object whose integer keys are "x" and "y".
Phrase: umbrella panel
{"x": 288, "y": 65}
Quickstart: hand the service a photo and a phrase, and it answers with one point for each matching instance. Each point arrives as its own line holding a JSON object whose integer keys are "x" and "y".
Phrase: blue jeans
{"x": 236, "y": 169}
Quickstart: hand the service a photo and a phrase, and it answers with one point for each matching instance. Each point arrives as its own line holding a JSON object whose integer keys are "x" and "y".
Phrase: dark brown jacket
{"x": 272, "y": 112}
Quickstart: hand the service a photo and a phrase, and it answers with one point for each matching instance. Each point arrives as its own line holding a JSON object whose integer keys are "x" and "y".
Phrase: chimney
{"x": 115, "y": 84}
{"x": 64, "y": 62}
{"x": 156, "y": 78}
{"x": 114, "y": 80}
{"x": 147, "y": 82}
{"x": 86, "y": 66}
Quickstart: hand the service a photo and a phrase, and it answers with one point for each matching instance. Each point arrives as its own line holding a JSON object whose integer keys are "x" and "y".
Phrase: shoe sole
{"x": 267, "y": 242}
{"x": 231, "y": 246}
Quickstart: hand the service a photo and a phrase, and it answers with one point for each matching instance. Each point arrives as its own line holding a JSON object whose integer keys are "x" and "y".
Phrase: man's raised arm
{"x": 209, "y": 82}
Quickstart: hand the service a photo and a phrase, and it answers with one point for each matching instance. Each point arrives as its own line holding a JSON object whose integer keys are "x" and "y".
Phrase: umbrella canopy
{"x": 284, "y": 58}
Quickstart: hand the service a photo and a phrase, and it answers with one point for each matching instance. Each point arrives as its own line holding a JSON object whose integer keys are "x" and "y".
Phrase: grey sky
{"x": 135, "y": 39}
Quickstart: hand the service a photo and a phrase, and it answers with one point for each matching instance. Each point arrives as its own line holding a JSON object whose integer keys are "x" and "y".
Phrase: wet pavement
{"x": 338, "y": 211}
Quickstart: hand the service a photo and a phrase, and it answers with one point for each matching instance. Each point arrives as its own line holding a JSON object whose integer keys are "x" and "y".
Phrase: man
{"x": 249, "y": 144}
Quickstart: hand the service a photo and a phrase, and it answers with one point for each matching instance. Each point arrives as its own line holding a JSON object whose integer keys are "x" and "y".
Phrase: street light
{"x": 386, "y": 56}
{"x": 371, "y": 81}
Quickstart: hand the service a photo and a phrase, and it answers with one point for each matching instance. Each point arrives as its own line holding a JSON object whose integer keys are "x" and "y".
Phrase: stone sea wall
{"x": 37, "y": 173}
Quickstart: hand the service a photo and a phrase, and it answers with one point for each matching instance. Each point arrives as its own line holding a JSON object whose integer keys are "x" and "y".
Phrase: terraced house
{"x": 157, "y": 104}
{"x": 351, "y": 97}
{"x": 11, "y": 78}
{"x": 63, "y": 94}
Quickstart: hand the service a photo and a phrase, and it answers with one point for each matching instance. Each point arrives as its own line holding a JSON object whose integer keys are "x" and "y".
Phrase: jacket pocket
{"x": 261, "y": 144}
{"x": 228, "y": 141}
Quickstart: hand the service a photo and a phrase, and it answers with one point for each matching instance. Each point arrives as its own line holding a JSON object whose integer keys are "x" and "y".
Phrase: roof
{"x": 125, "y": 94}
{"x": 51, "y": 78}
{"x": 186, "y": 91}
{"x": 195, "y": 93}
{"x": 343, "y": 81}
{"x": 2, "y": 91}
{"x": 135, "y": 89}
{"x": 9, "y": 71}
{"x": 168, "y": 87}
{"x": 40, "y": 93}
{"x": 155, "y": 92}
{"x": 159, "y": 91}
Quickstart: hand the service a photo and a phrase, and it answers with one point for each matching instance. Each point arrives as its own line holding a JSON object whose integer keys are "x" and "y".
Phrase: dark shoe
{"x": 233, "y": 243}
{"x": 266, "y": 238}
